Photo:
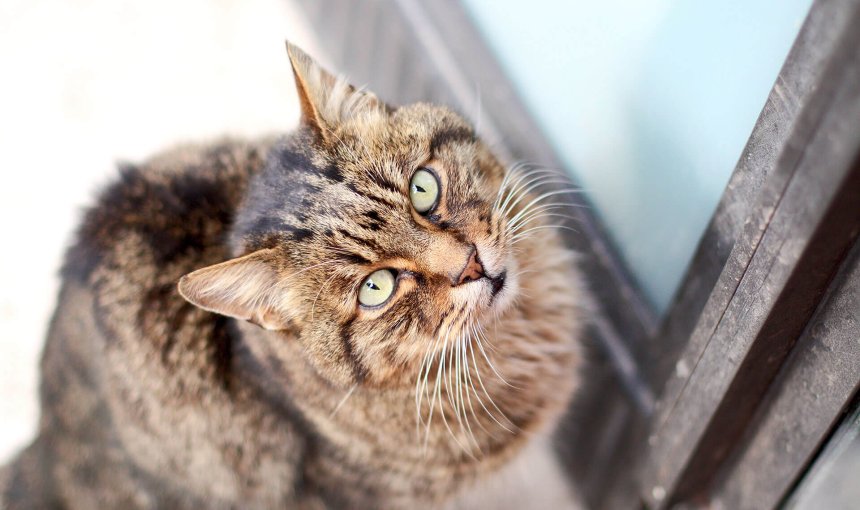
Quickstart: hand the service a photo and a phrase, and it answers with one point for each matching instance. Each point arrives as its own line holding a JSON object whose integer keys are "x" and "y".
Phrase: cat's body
{"x": 151, "y": 402}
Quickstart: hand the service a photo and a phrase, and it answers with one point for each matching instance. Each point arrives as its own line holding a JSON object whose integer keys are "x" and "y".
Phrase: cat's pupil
{"x": 372, "y": 285}
{"x": 419, "y": 189}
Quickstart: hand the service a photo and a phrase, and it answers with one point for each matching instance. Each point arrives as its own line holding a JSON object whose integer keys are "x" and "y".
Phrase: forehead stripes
{"x": 349, "y": 200}
{"x": 448, "y": 135}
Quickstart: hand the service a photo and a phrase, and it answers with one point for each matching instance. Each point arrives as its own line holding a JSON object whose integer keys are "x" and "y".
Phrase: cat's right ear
{"x": 327, "y": 100}
{"x": 247, "y": 288}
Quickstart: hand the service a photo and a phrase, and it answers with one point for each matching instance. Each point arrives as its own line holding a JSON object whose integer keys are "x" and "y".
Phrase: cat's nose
{"x": 473, "y": 270}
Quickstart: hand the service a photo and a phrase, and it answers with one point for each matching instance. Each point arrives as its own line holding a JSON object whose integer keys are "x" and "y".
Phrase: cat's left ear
{"x": 327, "y": 101}
{"x": 247, "y": 288}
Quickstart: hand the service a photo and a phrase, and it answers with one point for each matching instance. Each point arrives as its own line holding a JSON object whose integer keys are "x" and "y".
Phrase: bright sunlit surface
{"x": 649, "y": 103}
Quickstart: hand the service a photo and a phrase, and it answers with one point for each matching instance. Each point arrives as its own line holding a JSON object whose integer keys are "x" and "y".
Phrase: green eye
{"x": 376, "y": 288}
{"x": 424, "y": 190}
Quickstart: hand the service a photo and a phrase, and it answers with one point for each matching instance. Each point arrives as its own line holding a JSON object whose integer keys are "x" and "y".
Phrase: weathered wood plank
{"x": 804, "y": 219}
{"x": 804, "y": 403}
{"x": 797, "y": 79}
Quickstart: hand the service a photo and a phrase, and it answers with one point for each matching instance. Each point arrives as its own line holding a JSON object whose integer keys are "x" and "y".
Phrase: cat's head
{"x": 374, "y": 234}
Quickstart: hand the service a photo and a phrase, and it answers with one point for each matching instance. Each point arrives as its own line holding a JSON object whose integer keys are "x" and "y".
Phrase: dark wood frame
{"x": 774, "y": 267}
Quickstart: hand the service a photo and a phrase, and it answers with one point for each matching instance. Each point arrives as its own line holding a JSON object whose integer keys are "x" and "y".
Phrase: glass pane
{"x": 649, "y": 103}
{"x": 832, "y": 483}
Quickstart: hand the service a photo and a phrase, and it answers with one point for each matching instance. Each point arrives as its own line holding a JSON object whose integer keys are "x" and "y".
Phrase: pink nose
{"x": 473, "y": 269}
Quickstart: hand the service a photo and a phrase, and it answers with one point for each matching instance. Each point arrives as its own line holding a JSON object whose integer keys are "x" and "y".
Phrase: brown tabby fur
{"x": 292, "y": 395}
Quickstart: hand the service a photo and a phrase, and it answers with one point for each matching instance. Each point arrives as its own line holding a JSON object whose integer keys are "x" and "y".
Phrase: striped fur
{"x": 150, "y": 400}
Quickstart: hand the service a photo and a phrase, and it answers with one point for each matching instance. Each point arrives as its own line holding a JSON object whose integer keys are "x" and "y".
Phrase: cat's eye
{"x": 376, "y": 288}
{"x": 424, "y": 190}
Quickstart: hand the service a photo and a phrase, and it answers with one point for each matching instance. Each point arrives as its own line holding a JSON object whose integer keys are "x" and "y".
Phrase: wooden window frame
{"x": 683, "y": 410}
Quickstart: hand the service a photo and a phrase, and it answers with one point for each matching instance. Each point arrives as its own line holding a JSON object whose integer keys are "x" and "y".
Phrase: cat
{"x": 370, "y": 312}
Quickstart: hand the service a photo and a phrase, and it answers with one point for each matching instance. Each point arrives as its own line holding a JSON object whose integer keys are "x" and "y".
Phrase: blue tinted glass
{"x": 649, "y": 103}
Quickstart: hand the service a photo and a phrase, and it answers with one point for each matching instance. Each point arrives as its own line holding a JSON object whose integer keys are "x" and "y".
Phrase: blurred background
{"x": 647, "y": 104}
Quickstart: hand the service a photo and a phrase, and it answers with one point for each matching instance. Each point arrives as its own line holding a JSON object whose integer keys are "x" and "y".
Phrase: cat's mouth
{"x": 503, "y": 287}
{"x": 476, "y": 271}
{"x": 485, "y": 294}
{"x": 496, "y": 292}
{"x": 498, "y": 284}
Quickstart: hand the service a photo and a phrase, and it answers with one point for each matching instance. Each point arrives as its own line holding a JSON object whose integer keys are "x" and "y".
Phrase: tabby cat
{"x": 372, "y": 312}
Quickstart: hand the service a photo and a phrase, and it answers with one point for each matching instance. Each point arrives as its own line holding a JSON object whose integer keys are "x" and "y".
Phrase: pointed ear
{"x": 246, "y": 288}
{"x": 326, "y": 100}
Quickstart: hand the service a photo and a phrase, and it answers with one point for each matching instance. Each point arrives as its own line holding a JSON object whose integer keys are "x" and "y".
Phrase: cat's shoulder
{"x": 171, "y": 209}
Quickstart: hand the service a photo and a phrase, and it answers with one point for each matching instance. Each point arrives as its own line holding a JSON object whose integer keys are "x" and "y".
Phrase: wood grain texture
{"x": 804, "y": 404}
{"x": 796, "y": 81}
{"x": 800, "y": 227}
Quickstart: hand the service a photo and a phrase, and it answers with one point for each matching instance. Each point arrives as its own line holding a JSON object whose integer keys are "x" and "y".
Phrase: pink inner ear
{"x": 303, "y": 66}
{"x": 245, "y": 288}
{"x": 326, "y": 100}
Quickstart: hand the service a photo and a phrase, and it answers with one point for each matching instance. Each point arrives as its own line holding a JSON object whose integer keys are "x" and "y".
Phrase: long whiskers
{"x": 480, "y": 336}
{"x": 440, "y": 376}
{"x": 436, "y": 389}
{"x": 460, "y": 378}
{"x": 520, "y": 210}
{"x": 489, "y": 397}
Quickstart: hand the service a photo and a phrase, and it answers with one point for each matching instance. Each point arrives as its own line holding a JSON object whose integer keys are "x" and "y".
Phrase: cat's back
{"x": 133, "y": 377}
{"x": 155, "y": 222}
{"x": 175, "y": 207}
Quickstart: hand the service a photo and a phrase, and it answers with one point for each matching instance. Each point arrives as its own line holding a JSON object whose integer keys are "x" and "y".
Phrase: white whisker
{"x": 544, "y": 196}
{"x": 528, "y": 181}
{"x": 424, "y": 387}
{"x": 481, "y": 334}
{"x": 521, "y": 187}
{"x": 527, "y": 215}
{"x": 489, "y": 397}
{"x": 471, "y": 385}
{"x": 343, "y": 400}
{"x": 520, "y": 235}
{"x": 442, "y": 408}
{"x": 323, "y": 286}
